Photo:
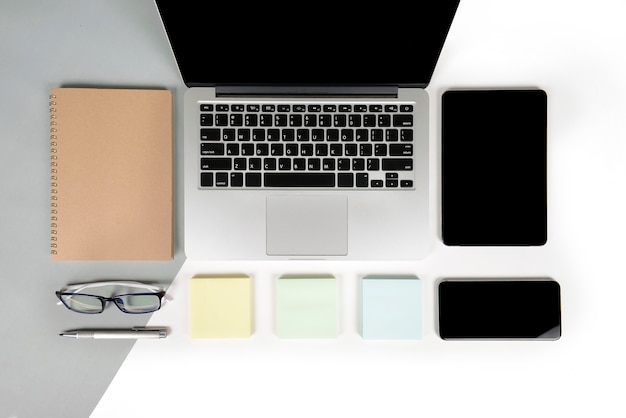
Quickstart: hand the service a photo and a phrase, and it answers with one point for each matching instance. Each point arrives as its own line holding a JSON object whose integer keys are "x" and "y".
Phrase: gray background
{"x": 46, "y": 44}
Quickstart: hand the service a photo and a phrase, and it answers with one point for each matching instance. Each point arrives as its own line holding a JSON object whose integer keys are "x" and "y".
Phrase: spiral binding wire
{"x": 53, "y": 175}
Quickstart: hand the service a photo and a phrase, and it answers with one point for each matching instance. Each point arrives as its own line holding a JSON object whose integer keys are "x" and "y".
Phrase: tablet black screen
{"x": 494, "y": 167}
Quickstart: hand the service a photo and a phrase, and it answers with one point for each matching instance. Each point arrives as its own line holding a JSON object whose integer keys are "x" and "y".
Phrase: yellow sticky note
{"x": 220, "y": 306}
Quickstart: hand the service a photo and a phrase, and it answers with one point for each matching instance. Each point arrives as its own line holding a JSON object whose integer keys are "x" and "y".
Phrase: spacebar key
{"x": 299, "y": 180}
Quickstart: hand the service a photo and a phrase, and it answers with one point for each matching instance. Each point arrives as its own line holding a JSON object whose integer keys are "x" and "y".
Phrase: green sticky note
{"x": 307, "y": 307}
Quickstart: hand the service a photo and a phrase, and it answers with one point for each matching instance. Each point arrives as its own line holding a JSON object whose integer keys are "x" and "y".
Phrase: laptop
{"x": 306, "y": 127}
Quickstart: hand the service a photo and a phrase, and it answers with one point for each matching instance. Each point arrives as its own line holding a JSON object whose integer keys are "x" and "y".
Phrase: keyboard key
{"x": 273, "y": 134}
{"x": 265, "y": 120}
{"x": 402, "y": 120}
{"x": 295, "y": 120}
{"x": 310, "y": 121}
{"x": 406, "y": 135}
{"x": 358, "y": 164}
{"x": 269, "y": 164}
{"x": 373, "y": 164}
{"x": 228, "y": 134}
{"x": 251, "y": 120}
{"x": 212, "y": 148}
{"x": 347, "y": 135}
{"x": 351, "y": 150}
{"x": 345, "y": 180}
{"x": 397, "y": 164}
{"x": 240, "y": 164}
{"x": 215, "y": 163}
{"x": 209, "y": 134}
{"x": 306, "y": 150}
{"x": 369, "y": 121}
{"x": 339, "y": 121}
{"x": 253, "y": 179}
{"x": 206, "y": 179}
{"x": 221, "y": 179}
{"x": 221, "y": 119}
{"x": 247, "y": 149}
{"x": 277, "y": 149}
{"x": 243, "y": 134}
{"x": 299, "y": 179}
{"x": 391, "y": 135}
{"x": 400, "y": 149}
{"x": 328, "y": 164}
{"x": 321, "y": 150}
{"x": 254, "y": 164}
{"x": 284, "y": 164}
{"x": 206, "y": 119}
{"x": 280, "y": 120}
{"x": 258, "y": 134}
{"x": 299, "y": 164}
{"x": 232, "y": 149}
{"x": 236, "y": 179}
{"x": 236, "y": 119}
{"x": 343, "y": 164}
{"x": 362, "y": 180}
{"x": 314, "y": 164}
{"x": 325, "y": 120}
{"x": 302, "y": 135}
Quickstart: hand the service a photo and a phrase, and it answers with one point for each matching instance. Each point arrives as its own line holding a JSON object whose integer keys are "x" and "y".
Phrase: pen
{"x": 134, "y": 333}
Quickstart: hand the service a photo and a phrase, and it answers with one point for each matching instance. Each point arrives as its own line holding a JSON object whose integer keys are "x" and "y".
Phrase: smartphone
{"x": 494, "y": 167}
{"x": 499, "y": 309}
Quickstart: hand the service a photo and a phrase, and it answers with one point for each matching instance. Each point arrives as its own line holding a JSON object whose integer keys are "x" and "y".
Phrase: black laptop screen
{"x": 298, "y": 43}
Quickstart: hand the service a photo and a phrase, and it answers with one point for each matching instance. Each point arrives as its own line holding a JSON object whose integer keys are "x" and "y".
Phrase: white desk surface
{"x": 574, "y": 50}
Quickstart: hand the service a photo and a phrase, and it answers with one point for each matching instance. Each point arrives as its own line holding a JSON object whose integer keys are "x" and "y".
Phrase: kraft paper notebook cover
{"x": 111, "y": 171}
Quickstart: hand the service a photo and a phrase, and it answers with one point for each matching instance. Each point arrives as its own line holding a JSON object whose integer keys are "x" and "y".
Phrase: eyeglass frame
{"x": 155, "y": 290}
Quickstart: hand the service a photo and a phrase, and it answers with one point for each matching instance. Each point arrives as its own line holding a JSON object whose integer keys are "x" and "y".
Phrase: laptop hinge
{"x": 318, "y": 91}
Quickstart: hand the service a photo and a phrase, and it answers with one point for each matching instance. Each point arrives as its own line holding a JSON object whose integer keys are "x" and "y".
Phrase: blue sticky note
{"x": 391, "y": 307}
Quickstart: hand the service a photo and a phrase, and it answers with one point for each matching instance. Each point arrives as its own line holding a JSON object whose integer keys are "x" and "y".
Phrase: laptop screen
{"x": 310, "y": 44}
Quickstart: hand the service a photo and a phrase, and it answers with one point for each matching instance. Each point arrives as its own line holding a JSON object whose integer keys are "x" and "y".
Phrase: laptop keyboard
{"x": 306, "y": 145}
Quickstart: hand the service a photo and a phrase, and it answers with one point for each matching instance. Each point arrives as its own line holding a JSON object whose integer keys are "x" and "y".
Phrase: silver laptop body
{"x": 224, "y": 219}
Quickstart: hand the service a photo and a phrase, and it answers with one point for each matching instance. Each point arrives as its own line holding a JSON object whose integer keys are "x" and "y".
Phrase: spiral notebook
{"x": 111, "y": 174}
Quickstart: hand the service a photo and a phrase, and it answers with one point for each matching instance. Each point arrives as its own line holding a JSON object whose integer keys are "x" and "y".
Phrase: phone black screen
{"x": 499, "y": 309}
{"x": 493, "y": 151}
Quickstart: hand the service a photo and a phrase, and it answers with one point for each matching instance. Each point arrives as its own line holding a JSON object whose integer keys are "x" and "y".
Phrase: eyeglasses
{"x": 94, "y": 302}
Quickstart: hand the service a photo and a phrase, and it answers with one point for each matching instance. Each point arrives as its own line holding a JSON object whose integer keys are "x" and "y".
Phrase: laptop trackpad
{"x": 307, "y": 225}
